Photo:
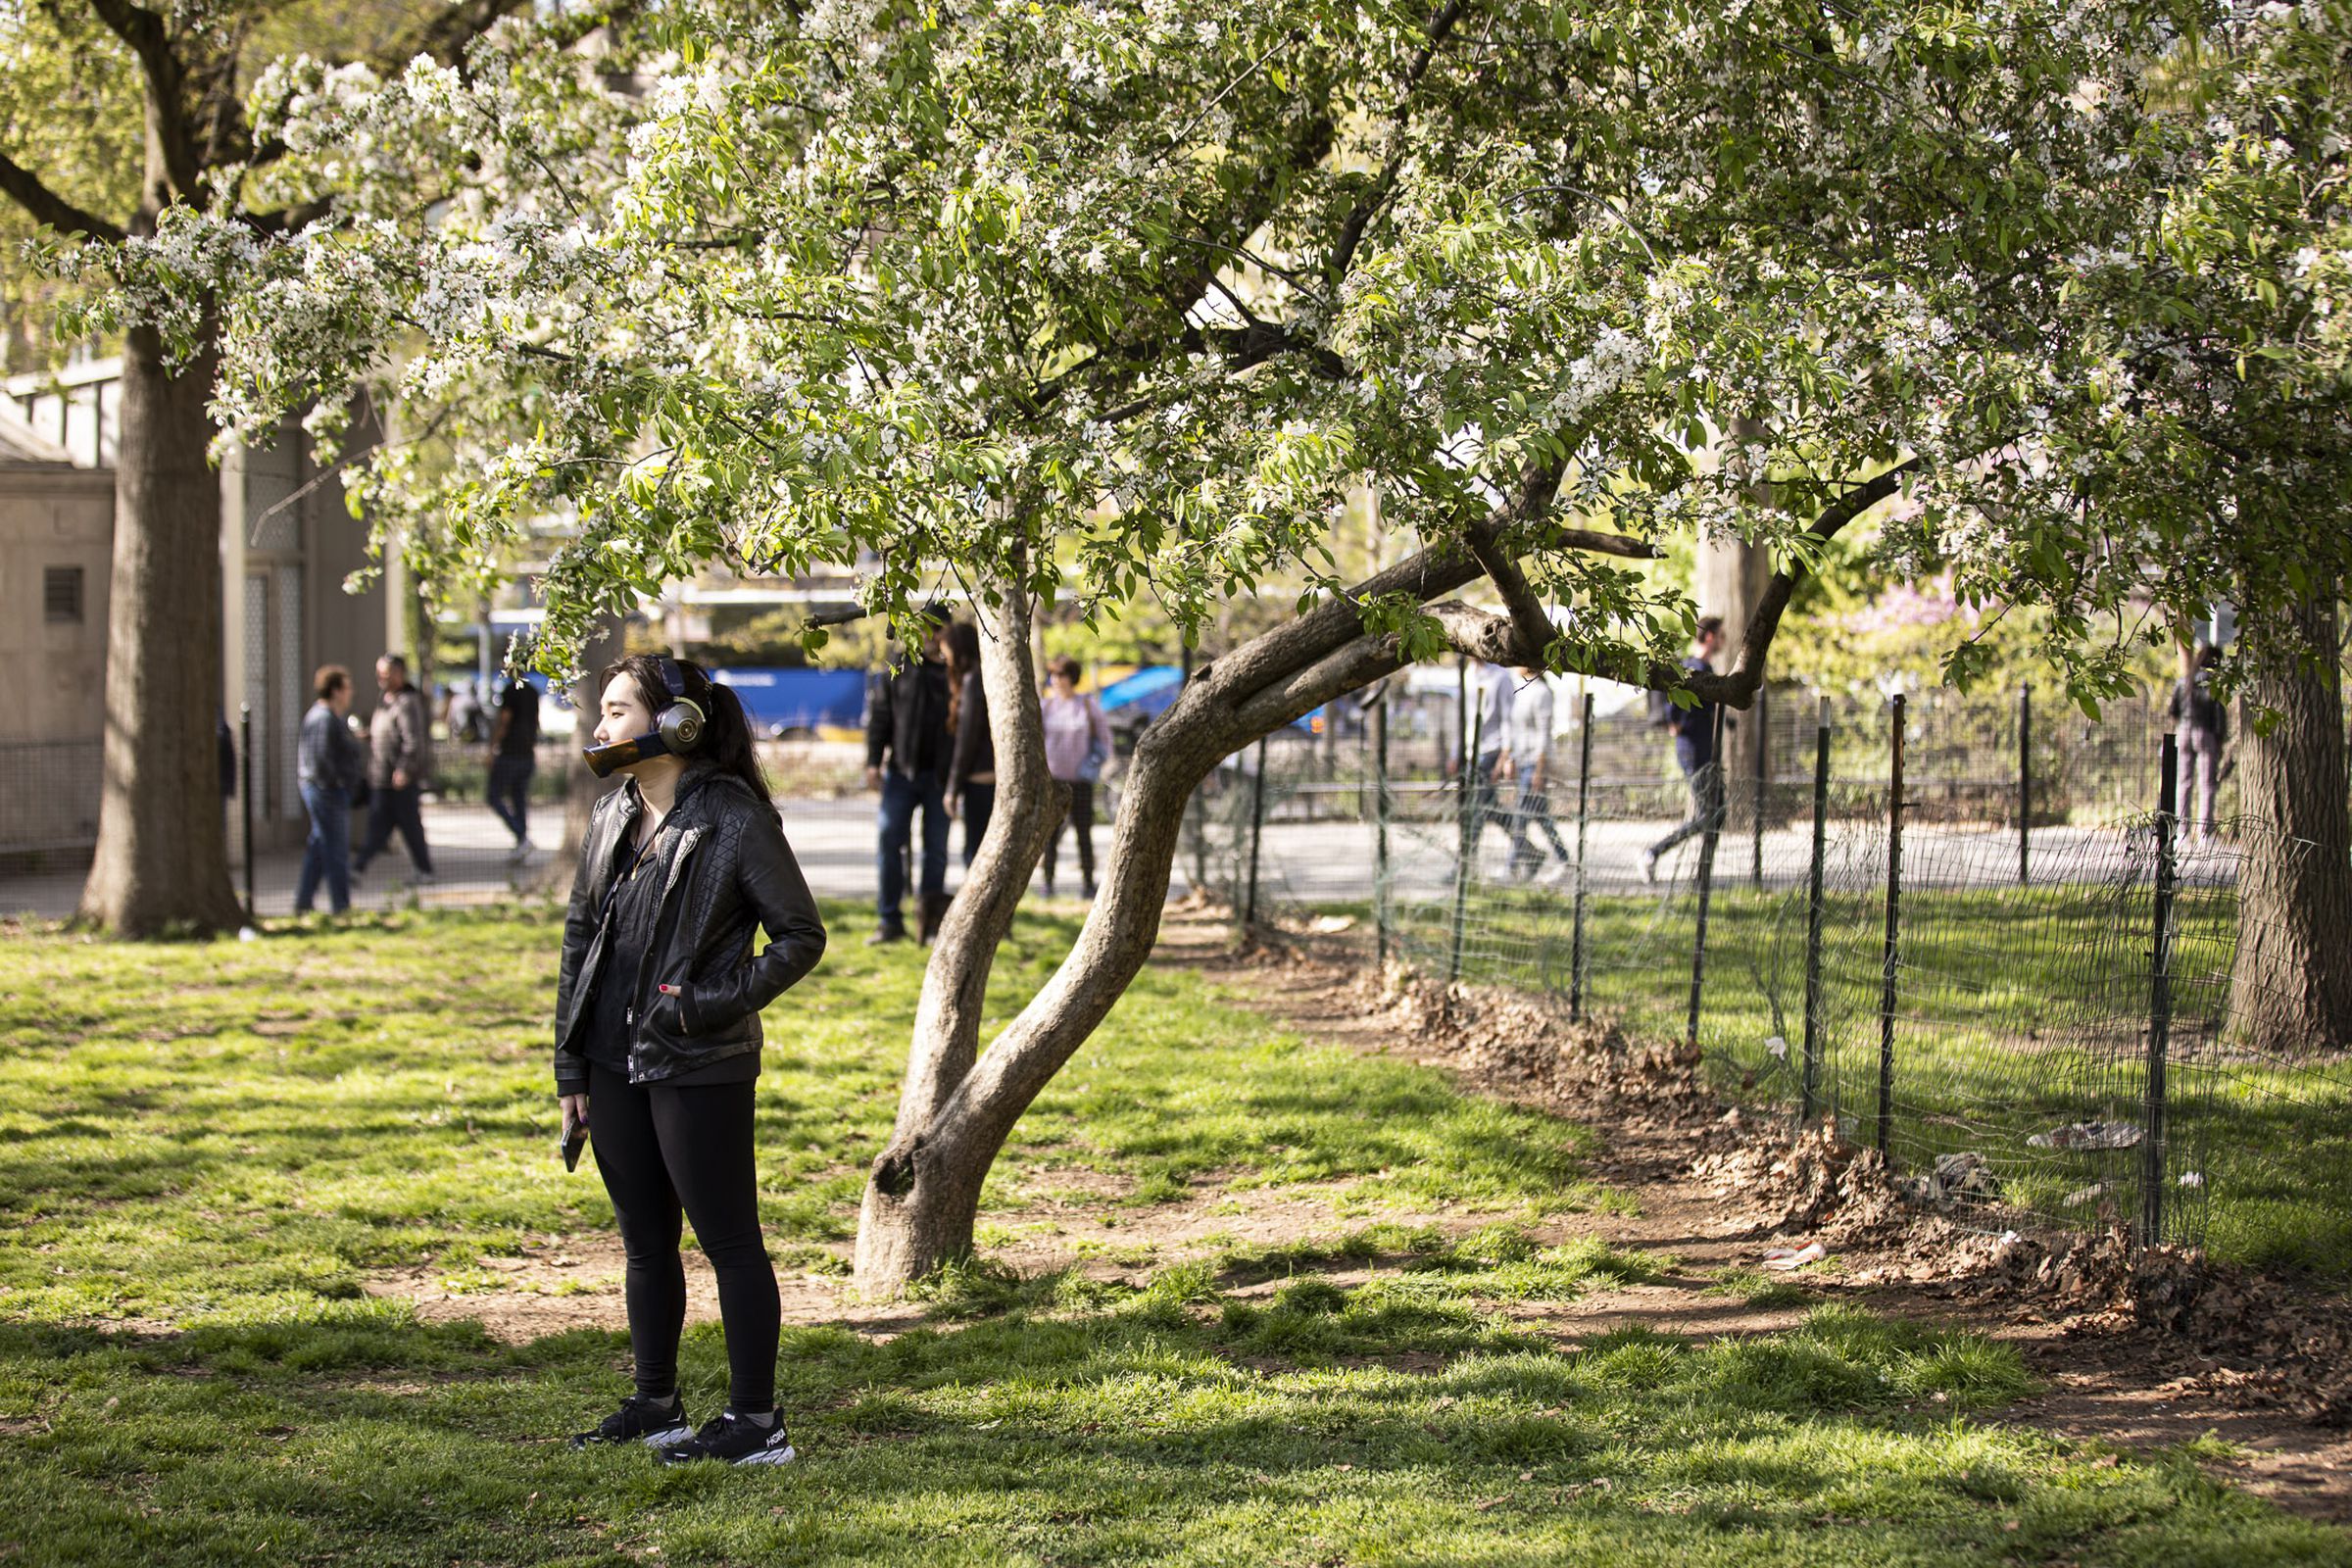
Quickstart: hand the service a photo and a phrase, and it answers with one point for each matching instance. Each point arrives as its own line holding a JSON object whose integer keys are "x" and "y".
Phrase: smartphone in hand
{"x": 576, "y": 1138}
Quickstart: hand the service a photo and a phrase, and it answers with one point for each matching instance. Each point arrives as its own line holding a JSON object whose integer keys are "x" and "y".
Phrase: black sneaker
{"x": 640, "y": 1420}
{"x": 732, "y": 1440}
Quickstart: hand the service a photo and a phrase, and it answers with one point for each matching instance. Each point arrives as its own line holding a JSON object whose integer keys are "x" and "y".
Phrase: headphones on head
{"x": 681, "y": 721}
{"x": 678, "y": 725}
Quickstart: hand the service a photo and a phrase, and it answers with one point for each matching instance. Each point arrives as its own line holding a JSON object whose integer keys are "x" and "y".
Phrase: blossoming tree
{"x": 1136, "y": 292}
{"x": 204, "y": 206}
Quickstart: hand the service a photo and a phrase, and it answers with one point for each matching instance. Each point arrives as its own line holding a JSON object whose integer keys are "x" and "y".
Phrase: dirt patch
{"x": 2142, "y": 1351}
{"x": 576, "y": 1284}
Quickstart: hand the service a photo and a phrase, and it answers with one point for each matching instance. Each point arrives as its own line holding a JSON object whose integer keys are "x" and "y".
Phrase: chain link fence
{"x": 2020, "y": 984}
{"x": 2024, "y": 986}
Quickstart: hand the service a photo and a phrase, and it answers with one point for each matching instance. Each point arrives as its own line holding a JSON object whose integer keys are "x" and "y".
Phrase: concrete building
{"x": 287, "y": 543}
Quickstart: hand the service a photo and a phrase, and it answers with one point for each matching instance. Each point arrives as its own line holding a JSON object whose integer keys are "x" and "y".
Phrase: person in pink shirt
{"x": 1077, "y": 746}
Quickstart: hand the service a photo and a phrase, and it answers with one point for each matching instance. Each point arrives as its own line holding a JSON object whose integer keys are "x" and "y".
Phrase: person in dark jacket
{"x": 328, "y": 766}
{"x": 658, "y": 1036}
{"x": 972, "y": 764}
{"x": 513, "y": 757}
{"x": 1695, "y": 731}
{"x": 907, "y": 744}
{"x": 2203, "y": 723}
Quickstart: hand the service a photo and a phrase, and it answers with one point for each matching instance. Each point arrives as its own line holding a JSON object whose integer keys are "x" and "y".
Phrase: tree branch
{"x": 145, "y": 34}
{"x": 1532, "y": 625}
{"x": 1501, "y": 640}
{"x": 445, "y": 35}
{"x": 48, "y": 207}
{"x": 1376, "y": 196}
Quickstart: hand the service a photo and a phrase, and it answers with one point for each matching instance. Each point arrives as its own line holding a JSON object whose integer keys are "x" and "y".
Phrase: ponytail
{"x": 728, "y": 744}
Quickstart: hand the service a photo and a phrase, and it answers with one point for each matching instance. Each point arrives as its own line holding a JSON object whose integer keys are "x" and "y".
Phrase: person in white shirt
{"x": 1526, "y": 758}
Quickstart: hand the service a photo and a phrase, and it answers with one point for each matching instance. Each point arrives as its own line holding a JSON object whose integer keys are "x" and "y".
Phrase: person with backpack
{"x": 657, "y": 1035}
{"x": 1695, "y": 730}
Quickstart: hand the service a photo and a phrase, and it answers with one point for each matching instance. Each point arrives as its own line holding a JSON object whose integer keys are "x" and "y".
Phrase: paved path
{"x": 1300, "y": 863}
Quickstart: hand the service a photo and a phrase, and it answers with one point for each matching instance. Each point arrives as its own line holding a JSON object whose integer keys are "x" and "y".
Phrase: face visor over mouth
{"x": 606, "y": 760}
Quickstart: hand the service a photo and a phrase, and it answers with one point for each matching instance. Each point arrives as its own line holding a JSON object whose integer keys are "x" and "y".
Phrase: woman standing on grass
{"x": 657, "y": 1034}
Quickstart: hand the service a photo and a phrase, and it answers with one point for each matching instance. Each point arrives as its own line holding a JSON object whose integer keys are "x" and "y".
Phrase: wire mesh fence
{"x": 2022, "y": 983}
{"x": 2024, "y": 987}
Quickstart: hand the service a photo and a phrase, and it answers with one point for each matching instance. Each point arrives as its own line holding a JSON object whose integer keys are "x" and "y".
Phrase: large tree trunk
{"x": 924, "y": 1190}
{"x": 162, "y": 862}
{"x": 2291, "y": 990}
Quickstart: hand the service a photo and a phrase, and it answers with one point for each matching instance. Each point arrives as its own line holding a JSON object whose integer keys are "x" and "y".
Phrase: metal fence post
{"x": 1380, "y": 831}
{"x": 1755, "y": 808}
{"x": 1467, "y": 851}
{"x": 1809, "y": 1104}
{"x": 1584, "y": 812}
{"x": 2025, "y": 780}
{"x": 1894, "y": 920}
{"x": 1258, "y": 831}
{"x": 1715, "y": 801}
{"x": 245, "y": 798}
{"x": 2160, "y": 999}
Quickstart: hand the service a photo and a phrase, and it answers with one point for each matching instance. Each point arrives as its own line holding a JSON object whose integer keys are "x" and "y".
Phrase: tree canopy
{"x": 1163, "y": 282}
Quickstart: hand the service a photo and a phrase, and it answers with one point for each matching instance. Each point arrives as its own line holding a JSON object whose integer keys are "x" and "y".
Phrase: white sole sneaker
{"x": 677, "y": 1434}
{"x": 784, "y": 1455}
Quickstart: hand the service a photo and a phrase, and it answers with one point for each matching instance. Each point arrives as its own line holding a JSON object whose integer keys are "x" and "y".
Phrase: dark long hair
{"x": 963, "y": 659}
{"x": 726, "y": 742}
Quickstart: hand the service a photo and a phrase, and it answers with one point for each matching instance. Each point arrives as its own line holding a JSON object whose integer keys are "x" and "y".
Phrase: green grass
{"x": 218, "y": 1142}
{"x": 2018, "y": 1010}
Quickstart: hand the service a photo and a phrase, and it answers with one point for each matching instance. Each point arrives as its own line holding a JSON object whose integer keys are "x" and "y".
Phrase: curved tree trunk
{"x": 2290, "y": 990}
{"x": 922, "y": 1196}
{"x": 958, "y": 1105}
{"x": 162, "y": 862}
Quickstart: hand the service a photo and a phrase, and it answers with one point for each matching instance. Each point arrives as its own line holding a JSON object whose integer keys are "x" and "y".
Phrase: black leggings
{"x": 662, "y": 1149}
{"x": 1081, "y": 816}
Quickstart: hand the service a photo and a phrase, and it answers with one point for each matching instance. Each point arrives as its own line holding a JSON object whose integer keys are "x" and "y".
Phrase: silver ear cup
{"x": 682, "y": 726}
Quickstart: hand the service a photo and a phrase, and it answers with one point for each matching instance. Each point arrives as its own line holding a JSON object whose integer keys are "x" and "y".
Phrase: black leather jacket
{"x": 727, "y": 870}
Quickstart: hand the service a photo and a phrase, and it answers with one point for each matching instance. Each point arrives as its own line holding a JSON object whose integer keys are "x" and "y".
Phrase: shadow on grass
{"x": 1146, "y": 1432}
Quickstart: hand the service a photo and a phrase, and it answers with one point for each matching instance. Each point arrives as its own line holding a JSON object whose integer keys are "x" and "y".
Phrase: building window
{"x": 61, "y": 593}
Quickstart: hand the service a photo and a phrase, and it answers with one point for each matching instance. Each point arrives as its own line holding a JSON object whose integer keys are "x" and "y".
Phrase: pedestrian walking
{"x": 328, "y": 764}
{"x": 972, "y": 764}
{"x": 1525, "y": 759}
{"x": 514, "y": 758}
{"x": 1487, "y": 806}
{"x": 907, "y": 744}
{"x": 2202, "y": 723}
{"x": 400, "y": 740}
{"x": 658, "y": 1036}
{"x": 1077, "y": 749}
{"x": 1694, "y": 732}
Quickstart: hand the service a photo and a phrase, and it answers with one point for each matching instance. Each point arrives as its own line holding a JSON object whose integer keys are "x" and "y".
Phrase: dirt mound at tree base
{"x": 2296, "y": 1351}
{"x": 1528, "y": 1050}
